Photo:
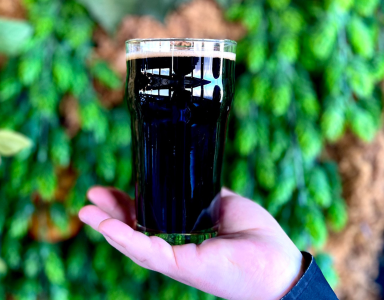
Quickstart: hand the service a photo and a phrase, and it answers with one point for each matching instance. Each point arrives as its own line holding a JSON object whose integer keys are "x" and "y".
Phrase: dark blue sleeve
{"x": 312, "y": 285}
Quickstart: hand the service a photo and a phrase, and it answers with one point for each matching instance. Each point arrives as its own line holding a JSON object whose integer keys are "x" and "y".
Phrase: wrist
{"x": 303, "y": 268}
{"x": 300, "y": 268}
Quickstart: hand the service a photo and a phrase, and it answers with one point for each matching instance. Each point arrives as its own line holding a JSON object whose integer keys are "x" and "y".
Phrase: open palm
{"x": 251, "y": 258}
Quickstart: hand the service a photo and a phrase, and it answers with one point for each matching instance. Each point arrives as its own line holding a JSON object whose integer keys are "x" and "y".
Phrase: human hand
{"x": 251, "y": 258}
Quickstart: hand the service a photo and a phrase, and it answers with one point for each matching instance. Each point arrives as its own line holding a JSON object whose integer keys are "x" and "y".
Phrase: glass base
{"x": 181, "y": 238}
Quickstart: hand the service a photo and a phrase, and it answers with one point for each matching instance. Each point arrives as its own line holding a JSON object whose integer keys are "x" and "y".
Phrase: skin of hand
{"x": 251, "y": 258}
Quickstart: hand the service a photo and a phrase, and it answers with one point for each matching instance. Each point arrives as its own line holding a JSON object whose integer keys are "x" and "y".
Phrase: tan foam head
{"x": 182, "y": 53}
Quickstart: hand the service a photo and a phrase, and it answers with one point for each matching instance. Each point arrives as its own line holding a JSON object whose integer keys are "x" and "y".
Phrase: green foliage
{"x": 362, "y": 124}
{"x": 333, "y": 120}
{"x": 360, "y": 37}
{"x": 12, "y": 142}
{"x": 325, "y": 262}
{"x": 105, "y": 75}
{"x": 109, "y": 13}
{"x": 14, "y": 35}
{"x": 319, "y": 187}
{"x": 312, "y": 70}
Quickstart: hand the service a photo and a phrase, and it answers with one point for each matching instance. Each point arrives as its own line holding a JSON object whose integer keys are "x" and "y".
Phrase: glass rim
{"x": 221, "y": 41}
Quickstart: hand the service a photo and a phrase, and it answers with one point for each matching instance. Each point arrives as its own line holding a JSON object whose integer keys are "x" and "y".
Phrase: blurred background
{"x": 305, "y": 136}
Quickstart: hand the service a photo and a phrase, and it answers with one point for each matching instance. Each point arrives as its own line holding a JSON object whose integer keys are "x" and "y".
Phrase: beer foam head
{"x": 181, "y": 53}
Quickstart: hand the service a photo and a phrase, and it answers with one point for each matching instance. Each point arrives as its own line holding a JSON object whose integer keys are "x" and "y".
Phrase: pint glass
{"x": 179, "y": 93}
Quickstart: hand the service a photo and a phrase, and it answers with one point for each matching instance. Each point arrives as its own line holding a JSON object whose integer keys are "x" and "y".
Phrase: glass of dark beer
{"x": 179, "y": 93}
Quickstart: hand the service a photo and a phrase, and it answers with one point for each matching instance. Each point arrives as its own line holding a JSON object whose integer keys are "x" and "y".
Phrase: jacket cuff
{"x": 312, "y": 285}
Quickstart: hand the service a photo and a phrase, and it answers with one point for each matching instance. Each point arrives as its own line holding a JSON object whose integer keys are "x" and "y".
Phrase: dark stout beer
{"x": 179, "y": 103}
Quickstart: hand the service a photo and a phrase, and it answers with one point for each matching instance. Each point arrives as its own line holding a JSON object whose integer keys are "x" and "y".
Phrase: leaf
{"x": 54, "y": 268}
{"x": 331, "y": 168}
{"x": 62, "y": 71}
{"x": 242, "y": 101}
{"x": 315, "y": 224}
{"x": 76, "y": 261}
{"x": 32, "y": 263}
{"x": 235, "y": 11}
{"x": 109, "y": 13}
{"x": 306, "y": 97}
{"x": 281, "y": 193}
{"x": 262, "y": 129}
{"x": 319, "y": 187}
{"x": 45, "y": 98}
{"x": 362, "y": 123}
{"x": 14, "y": 35}
{"x": 80, "y": 32}
{"x": 332, "y": 122}
{"x": 280, "y": 99}
{"x": 360, "y": 38}
{"x": 246, "y": 138}
{"x": 46, "y": 182}
{"x": 337, "y": 215}
{"x": 124, "y": 169}
{"x": 374, "y": 107}
{"x": 279, "y": 143}
{"x": 360, "y": 78}
{"x": 60, "y": 292}
{"x": 9, "y": 88}
{"x": 239, "y": 175}
{"x": 310, "y": 140}
{"x": 79, "y": 81}
{"x": 278, "y": 4}
{"x": 12, "y": 142}
{"x": 265, "y": 171}
{"x": 256, "y": 56}
{"x": 322, "y": 39}
{"x": 378, "y": 67}
{"x": 105, "y": 75}
{"x": 252, "y": 17}
{"x": 60, "y": 149}
{"x": 59, "y": 217}
{"x": 106, "y": 164}
{"x": 30, "y": 69}
{"x": 3, "y": 268}
{"x": 94, "y": 119}
{"x": 343, "y": 5}
{"x": 260, "y": 87}
{"x": 333, "y": 75}
{"x": 120, "y": 135}
{"x": 366, "y": 7}
{"x": 288, "y": 48}
{"x": 292, "y": 19}
{"x": 20, "y": 222}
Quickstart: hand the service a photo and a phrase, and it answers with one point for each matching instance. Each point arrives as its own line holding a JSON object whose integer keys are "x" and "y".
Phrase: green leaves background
{"x": 308, "y": 72}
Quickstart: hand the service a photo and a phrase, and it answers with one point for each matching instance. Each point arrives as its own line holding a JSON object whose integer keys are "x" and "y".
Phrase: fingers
{"x": 114, "y": 202}
{"x": 93, "y": 216}
{"x": 149, "y": 252}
